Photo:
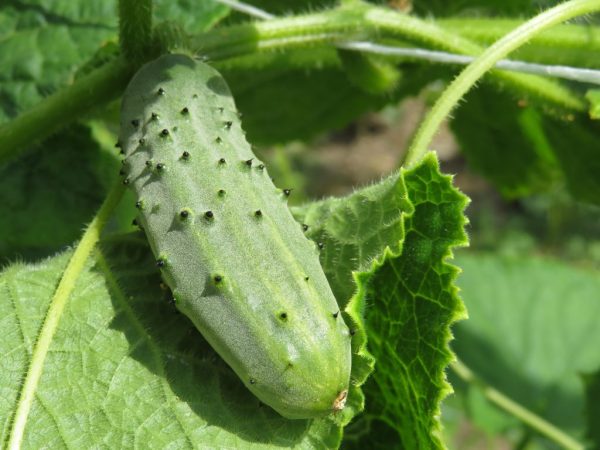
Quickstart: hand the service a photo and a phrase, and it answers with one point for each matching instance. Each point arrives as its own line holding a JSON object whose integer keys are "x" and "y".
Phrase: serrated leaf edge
{"x": 355, "y": 307}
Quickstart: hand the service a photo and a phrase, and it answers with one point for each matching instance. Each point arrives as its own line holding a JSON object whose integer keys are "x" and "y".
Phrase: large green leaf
{"x": 124, "y": 369}
{"x": 323, "y": 97}
{"x": 47, "y": 196}
{"x": 394, "y": 238}
{"x": 43, "y": 42}
{"x": 320, "y": 100}
{"x": 532, "y": 329}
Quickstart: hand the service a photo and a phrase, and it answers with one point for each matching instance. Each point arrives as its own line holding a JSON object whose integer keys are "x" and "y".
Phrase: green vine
{"x": 64, "y": 107}
{"x": 359, "y": 21}
{"x": 573, "y": 45}
{"x": 248, "y": 43}
{"x": 474, "y": 71}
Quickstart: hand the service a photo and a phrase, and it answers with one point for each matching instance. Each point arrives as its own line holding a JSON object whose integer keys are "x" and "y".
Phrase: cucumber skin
{"x": 250, "y": 281}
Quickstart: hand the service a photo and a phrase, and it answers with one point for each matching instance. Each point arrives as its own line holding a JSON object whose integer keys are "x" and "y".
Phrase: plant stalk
{"x": 516, "y": 410}
{"x": 135, "y": 28}
{"x": 64, "y": 107}
{"x": 57, "y": 306}
{"x": 350, "y": 22}
{"x": 474, "y": 71}
{"x": 572, "y": 44}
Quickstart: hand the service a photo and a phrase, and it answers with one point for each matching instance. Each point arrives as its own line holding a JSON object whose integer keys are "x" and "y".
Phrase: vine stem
{"x": 54, "y": 313}
{"x": 515, "y": 409}
{"x": 474, "y": 71}
{"x": 350, "y": 22}
{"x": 553, "y": 70}
{"x": 135, "y": 28}
{"x": 572, "y": 44}
{"x": 65, "y": 106}
{"x": 356, "y": 21}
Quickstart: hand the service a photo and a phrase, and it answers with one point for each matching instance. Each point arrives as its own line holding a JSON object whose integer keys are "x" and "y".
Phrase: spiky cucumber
{"x": 238, "y": 264}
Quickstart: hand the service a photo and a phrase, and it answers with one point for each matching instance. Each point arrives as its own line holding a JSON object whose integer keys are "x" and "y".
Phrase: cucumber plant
{"x": 93, "y": 353}
{"x": 226, "y": 243}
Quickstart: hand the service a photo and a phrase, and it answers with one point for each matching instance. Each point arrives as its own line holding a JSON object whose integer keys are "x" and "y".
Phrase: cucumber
{"x": 237, "y": 262}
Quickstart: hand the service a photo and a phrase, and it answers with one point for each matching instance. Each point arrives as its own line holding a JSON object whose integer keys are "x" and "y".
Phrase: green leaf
{"x": 47, "y": 196}
{"x": 505, "y": 142}
{"x": 592, "y": 408}
{"x": 522, "y": 150}
{"x": 44, "y": 42}
{"x": 322, "y": 99}
{"x": 125, "y": 369}
{"x": 532, "y": 328}
{"x": 393, "y": 238}
{"x": 575, "y": 144}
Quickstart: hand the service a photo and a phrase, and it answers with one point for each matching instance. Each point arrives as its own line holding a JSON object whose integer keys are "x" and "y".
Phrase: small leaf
{"x": 367, "y": 72}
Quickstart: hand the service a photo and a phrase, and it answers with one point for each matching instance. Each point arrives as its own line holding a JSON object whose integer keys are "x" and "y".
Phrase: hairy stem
{"x": 57, "y": 305}
{"x": 574, "y": 45}
{"x": 363, "y": 22}
{"x": 282, "y": 34}
{"x": 135, "y": 28}
{"x": 318, "y": 31}
{"x": 468, "y": 77}
{"x": 64, "y": 107}
{"x": 516, "y": 410}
